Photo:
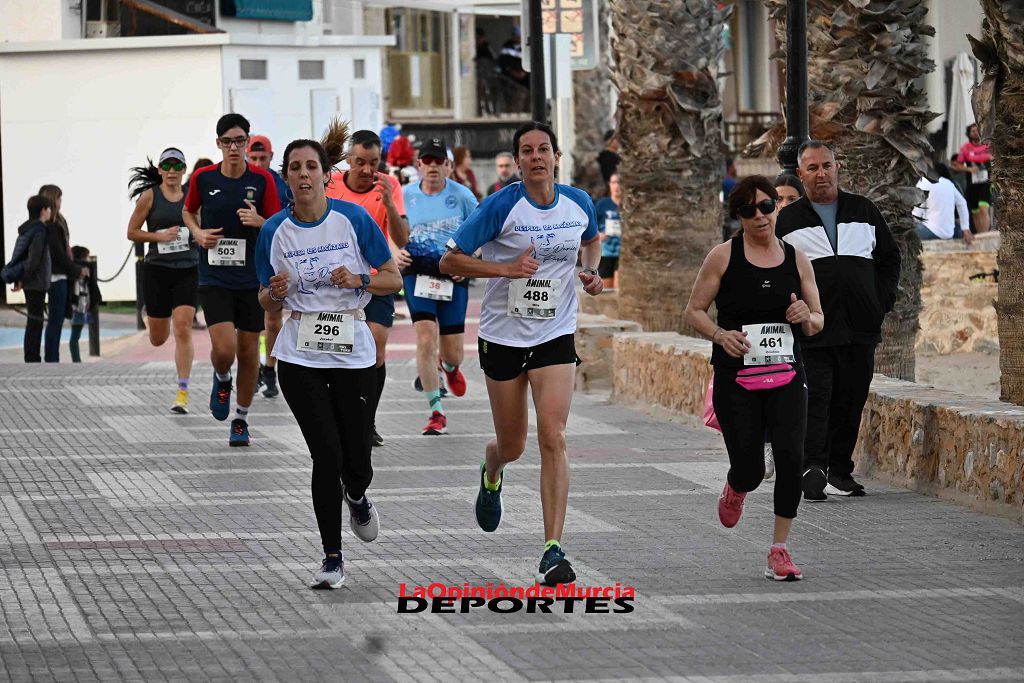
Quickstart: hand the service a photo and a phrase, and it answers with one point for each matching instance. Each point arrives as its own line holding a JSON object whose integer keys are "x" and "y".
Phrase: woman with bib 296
{"x": 530, "y": 234}
{"x": 314, "y": 258}
{"x": 767, "y": 299}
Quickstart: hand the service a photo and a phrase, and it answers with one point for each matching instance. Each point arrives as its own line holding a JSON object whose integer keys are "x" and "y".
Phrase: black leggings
{"x": 334, "y": 409}
{"x": 746, "y": 417}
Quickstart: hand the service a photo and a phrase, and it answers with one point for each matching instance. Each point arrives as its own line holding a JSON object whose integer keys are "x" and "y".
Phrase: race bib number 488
{"x": 769, "y": 343}
{"x": 533, "y": 297}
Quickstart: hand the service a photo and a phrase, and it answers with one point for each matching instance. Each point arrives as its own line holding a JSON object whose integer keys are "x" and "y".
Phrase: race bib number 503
{"x": 227, "y": 252}
{"x": 769, "y": 343}
{"x": 533, "y": 297}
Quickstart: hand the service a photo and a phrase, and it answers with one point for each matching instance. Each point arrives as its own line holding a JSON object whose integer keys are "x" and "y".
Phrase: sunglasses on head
{"x": 173, "y": 165}
{"x": 765, "y": 206}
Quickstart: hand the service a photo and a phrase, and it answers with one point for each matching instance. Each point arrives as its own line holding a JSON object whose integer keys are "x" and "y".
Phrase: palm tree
{"x": 667, "y": 54}
{"x": 593, "y": 94}
{"x": 999, "y": 107}
{"x": 864, "y": 57}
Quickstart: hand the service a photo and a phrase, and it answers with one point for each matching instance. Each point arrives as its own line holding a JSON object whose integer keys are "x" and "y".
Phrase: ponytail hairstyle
{"x": 330, "y": 148}
{"x": 146, "y": 177}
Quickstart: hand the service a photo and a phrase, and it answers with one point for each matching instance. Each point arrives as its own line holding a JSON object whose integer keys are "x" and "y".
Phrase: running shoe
{"x": 239, "y": 433}
{"x": 769, "y": 462}
{"x": 270, "y": 381}
{"x": 363, "y": 518}
{"x": 259, "y": 379}
{"x": 418, "y": 385}
{"x": 375, "y": 438}
{"x": 780, "y": 566}
{"x": 554, "y": 568}
{"x": 456, "y": 381}
{"x": 180, "y": 405}
{"x": 220, "y": 399}
{"x": 844, "y": 486}
{"x": 488, "y": 503}
{"x": 438, "y": 425}
{"x": 331, "y": 574}
{"x": 730, "y": 506}
{"x": 814, "y": 485}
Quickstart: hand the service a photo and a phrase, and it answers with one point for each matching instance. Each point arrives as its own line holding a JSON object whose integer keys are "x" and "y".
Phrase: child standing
{"x": 84, "y": 293}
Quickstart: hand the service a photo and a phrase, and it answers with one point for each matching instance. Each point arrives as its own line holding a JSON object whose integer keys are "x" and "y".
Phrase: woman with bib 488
{"x": 530, "y": 234}
{"x": 767, "y": 300}
{"x": 314, "y": 258}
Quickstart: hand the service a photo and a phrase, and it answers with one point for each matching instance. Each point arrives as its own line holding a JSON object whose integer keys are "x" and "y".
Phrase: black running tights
{"x": 334, "y": 409}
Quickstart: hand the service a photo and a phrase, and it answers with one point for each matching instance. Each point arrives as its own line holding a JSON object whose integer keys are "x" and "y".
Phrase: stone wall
{"x": 594, "y": 334}
{"x": 928, "y": 440}
{"x": 958, "y": 313}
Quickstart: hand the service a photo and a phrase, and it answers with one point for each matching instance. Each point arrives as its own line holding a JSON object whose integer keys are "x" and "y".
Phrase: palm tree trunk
{"x": 667, "y": 54}
{"x": 863, "y": 58}
{"x": 999, "y": 107}
{"x": 593, "y": 95}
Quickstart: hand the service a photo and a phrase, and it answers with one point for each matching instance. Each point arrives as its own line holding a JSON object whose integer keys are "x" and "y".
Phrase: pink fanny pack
{"x": 766, "y": 376}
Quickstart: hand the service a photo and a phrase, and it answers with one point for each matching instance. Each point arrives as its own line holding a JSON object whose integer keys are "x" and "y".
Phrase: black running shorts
{"x": 503, "y": 363}
{"x": 164, "y": 289}
{"x": 381, "y": 310}
{"x": 607, "y": 266}
{"x": 238, "y": 306}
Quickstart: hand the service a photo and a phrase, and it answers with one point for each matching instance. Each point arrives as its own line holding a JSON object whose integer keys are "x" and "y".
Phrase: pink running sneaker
{"x": 730, "y": 506}
{"x": 780, "y": 566}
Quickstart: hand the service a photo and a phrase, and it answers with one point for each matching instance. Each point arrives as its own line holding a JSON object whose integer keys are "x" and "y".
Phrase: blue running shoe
{"x": 239, "y": 433}
{"x": 488, "y": 503}
{"x": 554, "y": 568}
{"x": 220, "y": 399}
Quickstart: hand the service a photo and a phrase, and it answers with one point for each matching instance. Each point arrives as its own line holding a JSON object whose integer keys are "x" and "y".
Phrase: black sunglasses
{"x": 765, "y": 206}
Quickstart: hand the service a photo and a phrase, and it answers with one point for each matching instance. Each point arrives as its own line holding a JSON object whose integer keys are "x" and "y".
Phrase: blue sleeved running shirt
{"x": 503, "y": 227}
{"x": 433, "y": 220}
{"x": 609, "y": 223}
{"x": 309, "y": 252}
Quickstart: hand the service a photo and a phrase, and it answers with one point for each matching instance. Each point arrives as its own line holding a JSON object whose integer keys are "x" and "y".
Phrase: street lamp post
{"x": 538, "y": 98}
{"x": 797, "y": 126}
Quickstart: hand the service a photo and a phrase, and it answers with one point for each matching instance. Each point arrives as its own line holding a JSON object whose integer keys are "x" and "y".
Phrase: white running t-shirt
{"x": 503, "y": 226}
{"x": 308, "y": 252}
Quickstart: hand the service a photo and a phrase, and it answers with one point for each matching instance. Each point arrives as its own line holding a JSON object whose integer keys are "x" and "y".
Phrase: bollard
{"x": 94, "y": 313}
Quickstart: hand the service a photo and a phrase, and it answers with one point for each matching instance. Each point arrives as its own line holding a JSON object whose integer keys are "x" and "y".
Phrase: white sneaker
{"x": 769, "y": 462}
{"x": 363, "y": 518}
{"x": 331, "y": 574}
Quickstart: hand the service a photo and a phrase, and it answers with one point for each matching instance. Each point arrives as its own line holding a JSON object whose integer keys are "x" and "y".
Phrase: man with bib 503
{"x": 436, "y": 207}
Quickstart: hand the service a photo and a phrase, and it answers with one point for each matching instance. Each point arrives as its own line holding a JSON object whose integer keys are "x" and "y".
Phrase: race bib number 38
{"x": 769, "y": 343}
{"x": 326, "y": 332}
{"x": 227, "y": 252}
{"x": 436, "y": 288}
{"x": 533, "y": 297}
{"x": 179, "y": 243}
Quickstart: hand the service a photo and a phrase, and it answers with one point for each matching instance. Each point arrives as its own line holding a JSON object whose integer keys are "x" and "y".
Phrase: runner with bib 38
{"x": 767, "y": 299}
{"x": 530, "y": 234}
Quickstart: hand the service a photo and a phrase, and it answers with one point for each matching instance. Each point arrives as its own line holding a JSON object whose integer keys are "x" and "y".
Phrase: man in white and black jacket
{"x": 857, "y": 268}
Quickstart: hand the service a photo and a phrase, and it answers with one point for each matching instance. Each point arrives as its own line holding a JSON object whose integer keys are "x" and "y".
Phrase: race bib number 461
{"x": 533, "y": 297}
{"x": 769, "y": 343}
{"x": 326, "y": 332}
{"x": 227, "y": 252}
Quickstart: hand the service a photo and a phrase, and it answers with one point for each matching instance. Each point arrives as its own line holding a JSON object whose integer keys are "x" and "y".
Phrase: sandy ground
{"x": 968, "y": 373}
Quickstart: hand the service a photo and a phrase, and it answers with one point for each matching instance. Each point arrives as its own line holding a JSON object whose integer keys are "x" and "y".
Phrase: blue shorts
{"x": 381, "y": 310}
{"x": 450, "y": 315}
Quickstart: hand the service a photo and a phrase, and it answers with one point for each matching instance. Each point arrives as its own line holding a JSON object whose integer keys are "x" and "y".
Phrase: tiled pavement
{"x": 135, "y": 544}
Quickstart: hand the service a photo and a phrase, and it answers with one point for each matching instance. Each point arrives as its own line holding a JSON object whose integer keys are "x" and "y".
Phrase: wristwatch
{"x": 365, "y": 280}
{"x": 590, "y": 271}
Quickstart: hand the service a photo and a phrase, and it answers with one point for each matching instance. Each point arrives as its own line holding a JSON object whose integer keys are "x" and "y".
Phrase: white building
{"x": 79, "y": 111}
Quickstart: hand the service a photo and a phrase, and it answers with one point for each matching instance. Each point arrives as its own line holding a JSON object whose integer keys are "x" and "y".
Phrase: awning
{"x": 273, "y": 10}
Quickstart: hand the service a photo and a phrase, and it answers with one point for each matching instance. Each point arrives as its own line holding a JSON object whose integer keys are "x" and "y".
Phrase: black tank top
{"x": 167, "y": 214}
{"x": 750, "y": 294}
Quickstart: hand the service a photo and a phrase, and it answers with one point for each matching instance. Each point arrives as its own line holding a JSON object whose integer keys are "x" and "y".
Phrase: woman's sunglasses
{"x": 765, "y": 206}
{"x": 173, "y": 166}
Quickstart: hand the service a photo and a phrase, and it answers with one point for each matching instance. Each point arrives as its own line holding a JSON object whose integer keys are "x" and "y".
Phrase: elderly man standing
{"x": 857, "y": 267}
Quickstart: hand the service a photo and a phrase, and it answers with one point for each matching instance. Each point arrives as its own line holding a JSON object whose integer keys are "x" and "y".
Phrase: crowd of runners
{"x": 314, "y": 255}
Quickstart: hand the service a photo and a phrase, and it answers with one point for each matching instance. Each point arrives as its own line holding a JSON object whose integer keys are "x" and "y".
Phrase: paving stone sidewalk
{"x": 135, "y": 545}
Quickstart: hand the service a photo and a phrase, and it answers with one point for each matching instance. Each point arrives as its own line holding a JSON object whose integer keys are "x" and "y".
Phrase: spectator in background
{"x": 463, "y": 171}
{"x": 937, "y": 217}
{"x": 609, "y": 225}
{"x": 510, "y": 62}
{"x": 505, "y": 166}
{"x": 85, "y": 294}
{"x": 388, "y": 133}
{"x": 401, "y": 153}
{"x": 33, "y": 276}
{"x": 729, "y": 181}
{"x": 975, "y": 159}
{"x": 260, "y": 154}
{"x": 789, "y": 188}
{"x": 608, "y": 159}
{"x": 62, "y": 271}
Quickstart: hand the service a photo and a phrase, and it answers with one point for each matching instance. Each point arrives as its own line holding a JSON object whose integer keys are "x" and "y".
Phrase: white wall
{"x": 82, "y": 119}
{"x": 281, "y": 107}
{"x": 28, "y": 20}
{"x": 953, "y": 20}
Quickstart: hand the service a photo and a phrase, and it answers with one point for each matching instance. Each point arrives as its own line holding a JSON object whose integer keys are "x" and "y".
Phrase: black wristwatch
{"x": 366, "y": 282}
